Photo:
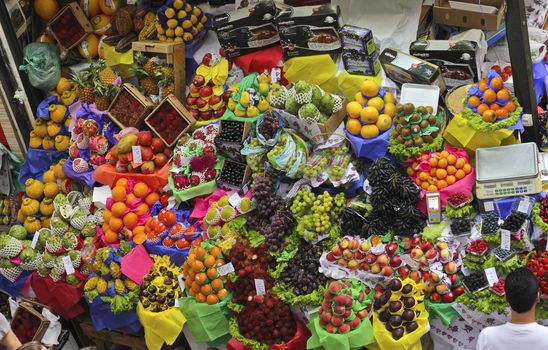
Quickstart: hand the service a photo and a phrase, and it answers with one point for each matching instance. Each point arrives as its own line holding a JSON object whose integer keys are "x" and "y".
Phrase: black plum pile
{"x": 460, "y": 226}
{"x": 302, "y": 272}
{"x": 514, "y": 221}
{"x": 231, "y": 131}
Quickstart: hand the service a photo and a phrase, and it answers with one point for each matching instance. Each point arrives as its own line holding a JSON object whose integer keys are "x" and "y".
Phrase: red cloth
{"x": 259, "y": 61}
{"x": 298, "y": 342}
{"x": 61, "y": 297}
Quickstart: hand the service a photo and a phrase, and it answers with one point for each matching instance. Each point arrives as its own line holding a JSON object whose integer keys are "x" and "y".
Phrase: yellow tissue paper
{"x": 319, "y": 70}
{"x": 122, "y": 61}
{"x": 161, "y": 327}
{"x": 349, "y": 84}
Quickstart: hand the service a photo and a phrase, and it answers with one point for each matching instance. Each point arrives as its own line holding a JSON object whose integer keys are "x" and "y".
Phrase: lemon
{"x": 179, "y": 31}
{"x": 169, "y": 12}
{"x": 181, "y": 14}
{"x": 172, "y": 23}
{"x": 376, "y": 102}
{"x": 178, "y": 4}
{"x": 170, "y": 33}
{"x": 353, "y": 109}
{"x": 369, "y": 88}
{"x": 369, "y": 131}
{"x": 369, "y": 115}
{"x": 187, "y": 24}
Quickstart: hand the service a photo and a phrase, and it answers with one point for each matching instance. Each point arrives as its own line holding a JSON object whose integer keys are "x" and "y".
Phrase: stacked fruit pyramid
{"x": 179, "y": 21}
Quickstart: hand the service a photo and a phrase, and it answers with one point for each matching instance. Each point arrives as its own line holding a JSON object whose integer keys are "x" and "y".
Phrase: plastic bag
{"x": 270, "y": 142}
{"x": 205, "y": 322}
{"x": 161, "y": 327}
{"x": 42, "y": 65}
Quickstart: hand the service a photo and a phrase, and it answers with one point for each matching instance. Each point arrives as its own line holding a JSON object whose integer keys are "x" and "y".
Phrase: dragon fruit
{"x": 80, "y": 165}
{"x": 74, "y": 151}
{"x": 90, "y": 128}
{"x": 82, "y": 141}
{"x": 78, "y": 126}
{"x": 197, "y": 164}
{"x": 97, "y": 160}
{"x": 196, "y": 178}
{"x": 98, "y": 144}
{"x": 210, "y": 174}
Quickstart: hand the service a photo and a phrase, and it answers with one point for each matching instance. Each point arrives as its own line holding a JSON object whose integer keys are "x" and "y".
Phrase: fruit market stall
{"x": 300, "y": 187}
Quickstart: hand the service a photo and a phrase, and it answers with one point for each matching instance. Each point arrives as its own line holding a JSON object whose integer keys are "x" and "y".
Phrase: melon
{"x": 46, "y": 9}
{"x": 89, "y": 47}
{"x": 100, "y": 23}
{"x": 90, "y": 7}
{"x": 108, "y": 7}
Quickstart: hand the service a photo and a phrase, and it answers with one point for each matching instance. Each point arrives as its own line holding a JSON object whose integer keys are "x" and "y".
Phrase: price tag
{"x": 489, "y": 206}
{"x": 13, "y": 306}
{"x": 136, "y": 152}
{"x": 465, "y": 270}
{"x": 234, "y": 199}
{"x": 275, "y": 74}
{"x": 181, "y": 283}
{"x": 225, "y": 269}
{"x": 69, "y": 269}
{"x": 491, "y": 275}
{"x": 505, "y": 239}
{"x": 523, "y": 206}
{"x": 176, "y": 303}
{"x": 259, "y": 287}
{"x": 35, "y": 239}
{"x": 437, "y": 266}
{"x": 433, "y": 204}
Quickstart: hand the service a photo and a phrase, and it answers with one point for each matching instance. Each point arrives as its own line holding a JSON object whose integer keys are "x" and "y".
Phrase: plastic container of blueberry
{"x": 503, "y": 254}
{"x": 243, "y": 180}
{"x": 484, "y": 285}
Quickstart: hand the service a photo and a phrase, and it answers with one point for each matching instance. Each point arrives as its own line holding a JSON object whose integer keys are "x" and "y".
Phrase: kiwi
{"x": 408, "y": 143}
{"x": 405, "y": 132}
{"x": 421, "y": 110}
{"x": 424, "y": 124}
{"x": 430, "y": 109}
{"x": 434, "y": 135}
{"x": 432, "y": 119}
{"x": 427, "y": 138}
{"x": 403, "y": 121}
{"x": 408, "y": 108}
{"x": 418, "y": 141}
{"x": 415, "y": 129}
{"x": 399, "y": 139}
{"x": 416, "y": 117}
{"x": 398, "y": 128}
{"x": 399, "y": 108}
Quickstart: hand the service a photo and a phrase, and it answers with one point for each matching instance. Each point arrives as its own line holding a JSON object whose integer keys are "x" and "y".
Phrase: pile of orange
{"x": 369, "y": 114}
{"x": 202, "y": 280}
{"x": 496, "y": 102}
{"x": 122, "y": 217}
{"x": 178, "y": 235}
{"x": 445, "y": 170}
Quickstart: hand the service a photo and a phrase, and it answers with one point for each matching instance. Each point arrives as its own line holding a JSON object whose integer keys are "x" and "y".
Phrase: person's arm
{"x": 7, "y": 337}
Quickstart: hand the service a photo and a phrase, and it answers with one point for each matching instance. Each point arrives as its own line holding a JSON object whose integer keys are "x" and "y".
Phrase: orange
{"x": 424, "y": 157}
{"x": 188, "y": 283}
{"x": 140, "y": 189}
{"x": 451, "y": 170}
{"x": 191, "y": 293}
{"x": 423, "y": 176}
{"x": 139, "y": 238}
{"x": 489, "y": 95}
{"x": 152, "y": 198}
{"x": 442, "y": 163}
{"x": 200, "y": 278}
{"x": 369, "y": 88}
{"x": 200, "y": 253}
{"x": 410, "y": 171}
{"x": 191, "y": 258}
{"x": 141, "y": 209}
{"x": 222, "y": 293}
{"x": 89, "y": 47}
{"x": 389, "y": 98}
{"x": 115, "y": 224}
{"x": 90, "y": 7}
{"x": 219, "y": 262}
{"x": 482, "y": 108}
{"x": 369, "y": 131}
{"x": 460, "y": 174}
{"x": 415, "y": 165}
{"x": 451, "y": 159}
{"x": 494, "y": 106}
{"x": 442, "y": 184}
{"x": 212, "y": 299}
{"x": 122, "y": 182}
{"x": 433, "y": 171}
{"x": 353, "y": 126}
{"x": 130, "y": 198}
{"x": 107, "y": 214}
{"x": 215, "y": 251}
{"x": 111, "y": 236}
{"x": 503, "y": 94}
{"x": 489, "y": 116}
{"x": 197, "y": 266}
{"x": 433, "y": 162}
{"x": 384, "y": 122}
{"x": 206, "y": 289}
{"x": 510, "y": 106}
{"x": 460, "y": 163}
{"x": 109, "y": 6}
{"x": 118, "y": 193}
{"x": 441, "y": 174}
{"x": 358, "y": 97}
{"x": 482, "y": 85}
{"x": 118, "y": 209}
{"x": 425, "y": 185}
{"x": 217, "y": 284}
{"x": 501, "y": 113}
{"x": 376, "y": 102}
{"x": 474, "y": 101}
{"x": 46, "y": 9}
{"x": 130, "y": 220}
{"x": 209, "y": 261}
{"x": 390, "y": 109}
{"x": 369, "y": 115}
{"x": 195, "y": 287}
{"x": 444, "y": 154}
{"x": 418, "y": 181}
{"x": 496, "y": 83}
{"x": 450, "y": 180}
{"x": 138, "y": 229}
{"x": 432, "y": 188}
{"x": 467, "y": 168}
{"x": 200, "y": 298}
{"x": 353, "y": 109}
{"x": 212, "y": 273}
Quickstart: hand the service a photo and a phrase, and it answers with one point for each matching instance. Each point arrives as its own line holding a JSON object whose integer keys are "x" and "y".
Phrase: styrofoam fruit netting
{"x": 338, "y": 103}
{"x": 77, "y": 261}
{"x": 78, "y": 222}
{"x": 85, "y": 204}
{"x": 12, "y": 248}
{"x": 11, "y": 273}
{"x": 74, "y": 196}
{"x": 303, "y": 97}
{"x": 55, "y": 277}
{"x": 279, "y": 99}
{"x": 213, "y": 216}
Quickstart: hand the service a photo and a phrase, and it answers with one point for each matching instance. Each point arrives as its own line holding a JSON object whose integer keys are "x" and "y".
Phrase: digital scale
{"x": 508, "y": 171}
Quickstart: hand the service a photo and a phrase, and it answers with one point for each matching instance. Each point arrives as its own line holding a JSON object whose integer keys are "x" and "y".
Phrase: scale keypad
{"x": 510, "y": 191}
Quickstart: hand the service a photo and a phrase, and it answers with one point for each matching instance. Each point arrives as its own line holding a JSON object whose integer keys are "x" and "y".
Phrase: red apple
{"x": 201, "y": 103}
{"x": 194, "y": 90}
{"x": 395, "y": 261}
{"x": 382, "y": 260}
{"x": 160, "y": 160}
{"x": 146, "y": 153}
{"x": 449, "y": 297}
{"x": 207, "y": 115}
{"x": 403, "y": 271}
{"x": 157, "y": 145}
{"x": 168, "y": 152}
{"x": 191, "y": 101}
{"x": 206, "y": 91}
{"x": 435, "y": 297}
{"x": 391, "y": 248}
{"x": 198, "y": 80}
{"x": 226, "y": 95}
{"x": 214, "y": 100}
{"x": 425, "y": 245}
{"x": 219, "y": 113}
{"x": 387, "y": 271}
{"x": 144, "y": 138}
{"x": 195, "y": 113}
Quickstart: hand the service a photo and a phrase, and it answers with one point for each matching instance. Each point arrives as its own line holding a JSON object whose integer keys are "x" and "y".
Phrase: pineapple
{"x": 85, "y": 90}
{"x": 166, "y": 86}
{"x": 101, "y": 286}
{"x": 91, "y": 283}
{"x": 149, "y": 67}
{"x": 119, "y": 286}
{"x": 107, "y": 76}
{"x": 150, "y": 85}
{"x": 115, "y": 269}
{"x": 145, "y": 64}
{"x": 104, "y": 97}
{"x": 164, "y": 72}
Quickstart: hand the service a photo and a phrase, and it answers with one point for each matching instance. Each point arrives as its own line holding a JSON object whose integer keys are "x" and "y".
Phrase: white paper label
{"x": 505, "y": 239}
{"x": 491, "y": 275}
{"x": 433, "y": 204}
{"x": 527, "y": 119}
{"x": 259, "y": 286}
{"x": 234, "y": 199}
{"x": 35, "y": 239}
{"x": 136, "y": 150}
{"x": 275, "y": 74}
{"x": 181, "y": 283}
{"x": 176, "y": 303}
{"x": 13, "y": 306}
{"x": 465, "y": 270}
{"x": 225, "y": 269}
{"x": 523, "y": 206}
{"x": 489, "y": 206}
{"x": 69, "y": 269}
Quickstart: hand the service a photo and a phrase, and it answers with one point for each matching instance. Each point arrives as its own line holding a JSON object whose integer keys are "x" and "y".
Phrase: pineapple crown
{"x": 104, "y": 89}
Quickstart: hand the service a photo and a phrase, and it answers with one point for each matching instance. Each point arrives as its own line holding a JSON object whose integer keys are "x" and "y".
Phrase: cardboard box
{"x": 309, "y": 30}
{"x": 173, "y": 53}
{"x": 247, "y": 30}
{"x": 458, "y": 61}
{"x": 404, "y": 68}
{"x": 355, "y": 63}
{"x": 245, "y": 179}
{"x": 444, "y": 14}
{"x": 359, "y": 40}
{"x": 174, "y": 102}
{"x": 72, "y": 18}
{"x": 136, "y": 94}
{"x": 232, "y": 149}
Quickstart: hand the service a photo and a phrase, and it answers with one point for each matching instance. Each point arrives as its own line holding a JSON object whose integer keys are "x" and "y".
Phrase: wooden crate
{"x": 80, "y": 16}
{"x": 135, "y": 93}
{"x": 44, "y": 322}
{"x": 181, "y": 111}
{"x": 242, "y": 187}
{"x": 174, "y": 54}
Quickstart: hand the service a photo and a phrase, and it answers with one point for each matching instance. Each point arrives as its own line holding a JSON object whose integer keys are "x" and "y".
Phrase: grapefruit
{"x": 369, "y": 88}
{"x": 90, "y": 7}
{"x": 369, "y": 131}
